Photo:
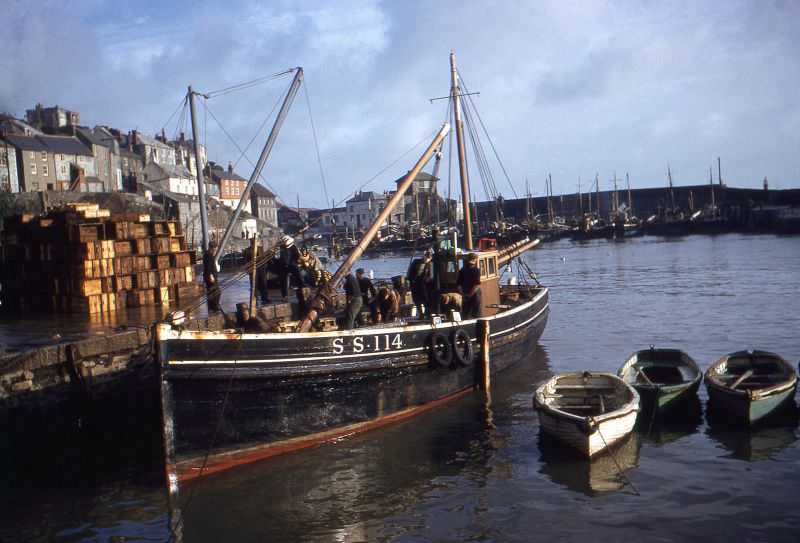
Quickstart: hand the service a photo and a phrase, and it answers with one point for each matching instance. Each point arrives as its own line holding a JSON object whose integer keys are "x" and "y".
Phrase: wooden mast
{"x": 326, "y": 292}
{"x": 462, "y": 164}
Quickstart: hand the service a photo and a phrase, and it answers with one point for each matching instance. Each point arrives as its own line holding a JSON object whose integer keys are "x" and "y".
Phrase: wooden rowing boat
{"x": 751, "y": 385}
{"x": 662, "y": 377}
{"x": 588, "y": 411}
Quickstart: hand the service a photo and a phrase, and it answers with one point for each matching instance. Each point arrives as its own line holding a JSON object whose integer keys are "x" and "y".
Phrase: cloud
{"x": 569, "y": 87}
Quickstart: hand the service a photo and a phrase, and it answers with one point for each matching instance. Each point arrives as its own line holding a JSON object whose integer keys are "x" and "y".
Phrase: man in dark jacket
{"x": 354, "y": 300}
{"x": 368, "y": 291}
{"x": 469, "y": 284}
{"x": 288, "y": 269}
{"x": 420, "y": 278}
{"x": 211, "y": 277}
{"x": 385, "y": 306}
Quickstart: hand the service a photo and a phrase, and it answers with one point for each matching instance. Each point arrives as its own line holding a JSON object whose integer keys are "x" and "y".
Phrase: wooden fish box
{"x": 181, "y": 259}
{"x": 118, "y": 230}
{"x": 87, "y": 304}
{"x": 141, "y": 297}
{"x": 143, "y": 246}
{"x": 84, "y": 232}
{"x": 142, "y": 263}
{"x": 162, "y": 262}
{"x": 138, "y": 231}
{"x": 123, "y": 248}
{"x": 188, "y": 291}
{"x": 162, "y": 245}
{"x": 176, "y": 244}
{"x": 162, "y": 295}
{"x": 146, "y": 280}
{"x": 123, "y": 265}
{"x": 123, "y": 282}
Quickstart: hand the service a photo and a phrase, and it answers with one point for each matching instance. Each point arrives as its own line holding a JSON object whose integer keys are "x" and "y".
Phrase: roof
{"x": 167, "y": 171}
{"x": 55, "y": 144}
{"x": 221, "y": 174}
{"x": 152, "y": 142}
{"x": 421, "y": 176}
{"x": 26, "y": 143}
{"x": 364, "y": 196}
{"x": 262, "y": 191}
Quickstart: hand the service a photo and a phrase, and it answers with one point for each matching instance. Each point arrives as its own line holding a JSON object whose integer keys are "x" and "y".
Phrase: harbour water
{"x": 477, "y": 468}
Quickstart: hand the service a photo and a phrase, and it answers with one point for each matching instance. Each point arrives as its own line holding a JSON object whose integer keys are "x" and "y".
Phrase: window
{"x": 63, "y": 157}
{"x": 35, "y": 186}
{"x": 45, "y": 169}
{"x": 2, "y": 161}
{"x": 44, "y": 155}
{"x": 33, "y": 155}
{"x": 482, "y": 267}
{"x": 492, "y": 266}
{"x": 80, "y": 159}
{"x": 33, "y": 168}
{"x": 63, "y": 168}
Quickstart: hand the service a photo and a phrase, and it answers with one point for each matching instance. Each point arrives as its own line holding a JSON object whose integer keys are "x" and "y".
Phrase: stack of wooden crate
{"x": 82, "y": 259}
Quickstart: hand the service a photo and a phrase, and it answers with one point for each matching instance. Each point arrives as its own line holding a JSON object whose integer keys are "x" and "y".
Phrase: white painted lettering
{"x": 338, "y": 347}
{"x": 358, "y": 344}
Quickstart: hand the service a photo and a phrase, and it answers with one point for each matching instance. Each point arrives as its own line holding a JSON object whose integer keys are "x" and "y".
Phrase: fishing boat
{"x": 233, "y": 396}
{"x": 588, "y": 411}
{"x": 751, "y": 385}
{"x": 662, "y": 377}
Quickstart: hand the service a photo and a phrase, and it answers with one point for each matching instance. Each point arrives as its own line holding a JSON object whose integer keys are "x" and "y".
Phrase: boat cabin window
{"x": 482, "y": 266}
{"x": 492, "y": 266}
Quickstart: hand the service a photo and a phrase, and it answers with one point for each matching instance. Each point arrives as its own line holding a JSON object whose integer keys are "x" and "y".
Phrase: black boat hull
{"x": 229, "y": 398}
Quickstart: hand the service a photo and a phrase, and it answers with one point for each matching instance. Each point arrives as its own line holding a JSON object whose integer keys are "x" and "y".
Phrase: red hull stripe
{"x": 190, "y": 469}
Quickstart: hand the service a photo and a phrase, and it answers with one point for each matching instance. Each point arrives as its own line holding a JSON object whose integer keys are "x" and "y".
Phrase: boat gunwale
{"x": 713, "y": 373}
{"x": 662, "y": 389}
{"x": 166, "y": 332}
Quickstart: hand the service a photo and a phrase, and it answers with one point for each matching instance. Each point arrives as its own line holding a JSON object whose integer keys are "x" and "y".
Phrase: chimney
{"x": 230, "y": 167}
{"x": 183, "y": 136}
{"x": 135, "y": 136}
{"x": 163, "y": 136}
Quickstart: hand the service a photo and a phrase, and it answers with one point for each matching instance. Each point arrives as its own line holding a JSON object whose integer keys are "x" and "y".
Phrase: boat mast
{"x": 616, "y": 194}
{"x": 293, "y": 88}
{"x": 630, "y": 202}
{"x": 597, "y": 188}
{"x": 671, "y": 192}
{"x": 326, "y": 292}
{"x": 711, "y": 184}
{"x": 580, "y": 198}
{"x": 201, "y": 186}
{"x": 462, "y": 164}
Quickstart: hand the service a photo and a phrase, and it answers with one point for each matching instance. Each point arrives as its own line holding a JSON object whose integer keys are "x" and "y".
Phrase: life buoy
{"x": 462, "y": 347}
{"x": 440, "y": 351}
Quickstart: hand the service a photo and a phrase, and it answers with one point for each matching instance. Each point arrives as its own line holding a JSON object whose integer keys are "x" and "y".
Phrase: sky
{"x": 572, "y": 89}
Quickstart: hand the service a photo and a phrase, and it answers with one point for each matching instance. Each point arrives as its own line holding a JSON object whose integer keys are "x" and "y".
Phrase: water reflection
{"x": 759, "y": 442}
{"x": 680, "y": 421}
{"x": 339, "y": 492}
{"x": 603, "y": 473}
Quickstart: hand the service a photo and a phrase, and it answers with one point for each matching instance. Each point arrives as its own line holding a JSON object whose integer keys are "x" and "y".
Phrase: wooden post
{"x": 254, "y": 248}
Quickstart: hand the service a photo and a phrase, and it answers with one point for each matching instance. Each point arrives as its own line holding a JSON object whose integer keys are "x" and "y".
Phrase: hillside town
{"x": 51, "y": 151}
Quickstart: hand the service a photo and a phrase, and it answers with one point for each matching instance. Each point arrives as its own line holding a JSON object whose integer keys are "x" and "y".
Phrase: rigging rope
{"x": 316, "y": 143}
{"x": 248, "y": 84}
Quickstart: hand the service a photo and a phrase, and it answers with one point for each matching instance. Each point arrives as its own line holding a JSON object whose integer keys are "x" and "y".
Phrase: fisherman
{"x": 469, "y": 286}
{"x": 211, "y": 277}
{"x": 354, "y": 300}
{"x": 450, "y": 301}
{"x": 287, "y": 268}
{"x": 368, "y": 291}
{"x": 386, "y": 305}
{"x": 421, "y": 280}
{"x": 309, "y": 264}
